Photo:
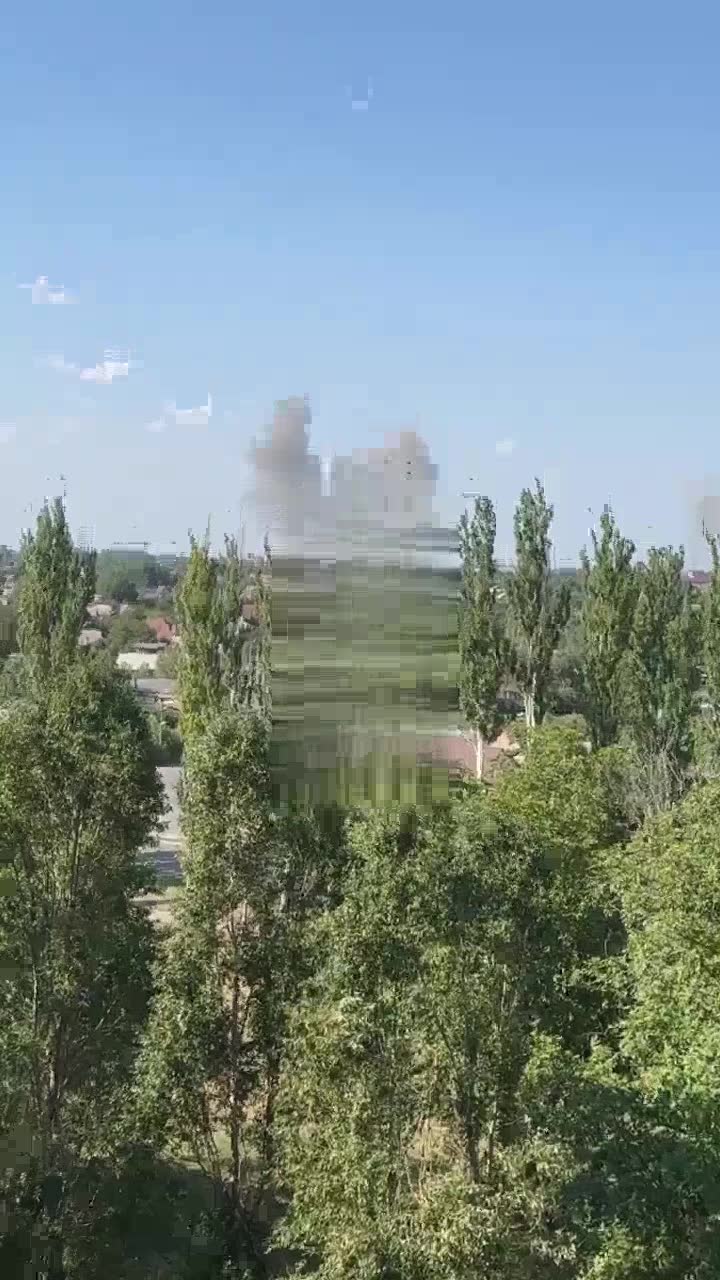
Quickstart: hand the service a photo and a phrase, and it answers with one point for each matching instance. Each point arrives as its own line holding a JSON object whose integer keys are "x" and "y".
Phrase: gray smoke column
{"x": 373, "y": 502}
{"x": 704, "y": 512}
{"x": 288, "y": 480}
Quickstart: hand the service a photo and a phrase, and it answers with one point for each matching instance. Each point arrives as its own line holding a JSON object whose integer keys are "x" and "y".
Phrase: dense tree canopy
{"x": 471, "y": 1034}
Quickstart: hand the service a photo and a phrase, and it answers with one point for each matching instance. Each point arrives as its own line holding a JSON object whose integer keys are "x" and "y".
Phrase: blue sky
{"x": 518, "y": 241}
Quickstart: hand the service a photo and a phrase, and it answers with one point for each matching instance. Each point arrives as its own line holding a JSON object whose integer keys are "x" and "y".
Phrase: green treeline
{"x": 434, "y": 1037}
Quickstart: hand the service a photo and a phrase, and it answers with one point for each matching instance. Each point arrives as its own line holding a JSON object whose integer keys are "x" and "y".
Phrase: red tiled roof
{"x": 163, "y": 630}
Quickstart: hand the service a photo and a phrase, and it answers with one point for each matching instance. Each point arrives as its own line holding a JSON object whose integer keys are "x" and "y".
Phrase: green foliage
{"x": 611, "y": 590}
{"x": 129, "y": 575}
{"x": 484, "y": 647}
{"x": 660, "y": 673}
{"x": 400, "y": 1100}
{"x": 208, "y": 1074}
{"x": 168, "y": 663}
{"x": 127, "y": 629}
{"x": 56, "y": 586}
{"x": 78, "y": 798}
{"x": 8, "y": 632}
{"x": 438, "y": 1041}
{"x": 540, "y": 611}
{"x": 224, "y": 658}
{"x": 166, "y": 740}
{"x": 121, "y": 587}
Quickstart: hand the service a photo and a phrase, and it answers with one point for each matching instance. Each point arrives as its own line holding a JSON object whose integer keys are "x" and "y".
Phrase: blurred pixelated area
{"x": 364, "y": 618}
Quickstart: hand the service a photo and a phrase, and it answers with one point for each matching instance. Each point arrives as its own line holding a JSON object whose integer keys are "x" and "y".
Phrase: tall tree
{"x": 211, "y": 1060}
{"x": 485, "y": 652}
{"x": 79, "y": 797}
{"x": 200, "y": 670}
{"x": 708, "y": 737}
{"x": 56, "y": 586}
{"x": 540, "y": 611}
{"x": 224, "y": 655}
{"x": 610, "y": 596}
{"x": 661, "y": 670}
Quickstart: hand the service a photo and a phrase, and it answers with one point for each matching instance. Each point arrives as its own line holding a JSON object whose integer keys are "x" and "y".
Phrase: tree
{"x": 208, "y": 1074}
{"x": 127, "y": 629}
{"x": 607, "y": 617}
{"x": 56, "y": 586}
{"x": 121, "y": 587}
{"x": 539, "y": 610}
{"x": 400, "y": 1098}
{"x": 572, "y": 799}
{"x": 219, "y": 665}
{"x": 113, "y": 569}
{"x": 200, "y": 683}
{"x": 484, "y": 647}
{"x": 168, "y": 663}
{"x": 634, "y": 1125}
{"x": 79, "y": 797}
{"x": 660, "y": 673}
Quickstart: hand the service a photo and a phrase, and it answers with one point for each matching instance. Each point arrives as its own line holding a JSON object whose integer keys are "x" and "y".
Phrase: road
{"x": 165, "y": 854}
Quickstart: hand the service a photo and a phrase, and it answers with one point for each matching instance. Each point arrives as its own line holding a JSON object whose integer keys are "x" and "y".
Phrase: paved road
{"x": 165, "y": 854}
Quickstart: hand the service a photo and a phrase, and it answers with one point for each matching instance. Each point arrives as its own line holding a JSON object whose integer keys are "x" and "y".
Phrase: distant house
{"x": 100, "y": 610}
{"x": 155, "y": 595}
{"x": 134, "y": 660}
{"x": 157, "y": 693}
{"x": 91, "y": 638}
{"x": 699, "y": 578}
{"x": 163, "y": 630}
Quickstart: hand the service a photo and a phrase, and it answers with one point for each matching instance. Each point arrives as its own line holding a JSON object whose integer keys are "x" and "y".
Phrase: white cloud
{"x": 8, "y": 431}
{"x": 171, "y": 416}
{"x": 44, "y": 294}
{"x": 114, "y": 365}
{"x": 504, "y": 448}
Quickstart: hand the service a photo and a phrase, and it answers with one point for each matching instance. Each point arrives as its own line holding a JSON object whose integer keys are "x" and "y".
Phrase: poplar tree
{"x": 711, "y": 637}
{"x": 225, "y": 658}
{"x": 79, "y": 799}
{"x": 485, "y": 653}
{"x": 661, "y": 670}
{"x": 610, "y": 595}
{"x": 540, "y": 611}
{"x": 56, "y": 585}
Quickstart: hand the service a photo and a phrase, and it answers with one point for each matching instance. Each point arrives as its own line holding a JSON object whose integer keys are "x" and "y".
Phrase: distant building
{"x": 125, "y": 551}
{"x": 138, "y": 661}
{"x": 91, "y": 638}
{"x": 163, "y": 630}
{"x": 699, "y": 578}
{"x": 158, "y": 693}
{"x": 100, "y": 610}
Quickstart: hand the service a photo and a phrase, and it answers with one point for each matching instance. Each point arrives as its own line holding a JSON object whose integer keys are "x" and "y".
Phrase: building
{"x": 91, "y": 638}
{"x": 135, "y": 660}
{"x": 100, "y": 611}
{"x": 157, "y": 694}
{"x": 164, "y": 631}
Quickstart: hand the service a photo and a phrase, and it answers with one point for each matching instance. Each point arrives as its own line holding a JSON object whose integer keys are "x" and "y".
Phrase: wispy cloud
{"x": 173, "y": 417}
{"x": 115, "y": 364}
{"x": 43, "y": 294}
{"x": 504, "y": 448}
